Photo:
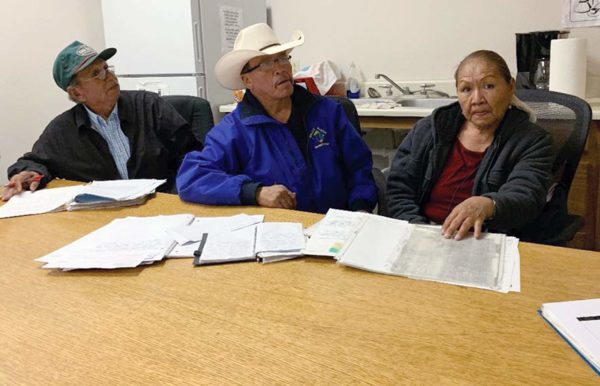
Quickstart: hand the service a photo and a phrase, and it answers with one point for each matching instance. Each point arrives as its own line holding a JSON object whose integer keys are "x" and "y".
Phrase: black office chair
{"x": 196, "y": 111}
{"x": 380, "y": 181}
{"x": 567, "y": 118}
{"x": 350, "y": 110}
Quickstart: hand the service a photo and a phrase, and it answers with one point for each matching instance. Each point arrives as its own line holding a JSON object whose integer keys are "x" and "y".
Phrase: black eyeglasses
{"x": 268, "y": 65}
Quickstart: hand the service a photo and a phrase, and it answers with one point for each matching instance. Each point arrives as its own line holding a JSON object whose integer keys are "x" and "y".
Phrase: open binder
{"x": 265, "y": 242}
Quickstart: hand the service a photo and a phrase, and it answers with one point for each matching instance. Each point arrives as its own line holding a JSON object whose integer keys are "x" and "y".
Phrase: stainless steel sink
{"x": 375, "y": 103}
{"x": 397, "y": 102}
{"x": 425, "y": 102}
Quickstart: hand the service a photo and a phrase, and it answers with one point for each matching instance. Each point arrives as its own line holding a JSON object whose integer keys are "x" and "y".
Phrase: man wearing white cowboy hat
{"x": 109, "y": 134}
{"x": 282, "y": 147}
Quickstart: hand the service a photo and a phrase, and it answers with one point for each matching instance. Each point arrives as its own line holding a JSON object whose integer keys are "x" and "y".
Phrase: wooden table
{"x": 306, "y": 321}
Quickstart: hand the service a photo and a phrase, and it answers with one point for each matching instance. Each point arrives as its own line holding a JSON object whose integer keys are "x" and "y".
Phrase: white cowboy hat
{"x": 255, "y": 40}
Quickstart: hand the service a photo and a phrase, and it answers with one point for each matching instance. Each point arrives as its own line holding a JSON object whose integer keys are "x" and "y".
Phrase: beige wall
{"x": 32, "y": 32}
{"x": 418, "y": 40}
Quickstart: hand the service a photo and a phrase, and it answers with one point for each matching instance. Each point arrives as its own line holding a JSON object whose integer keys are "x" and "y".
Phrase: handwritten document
{"x": 227, "y": 247}
{"x": 276, "y": 241}
{"x": 334, "y": 233}
{"x": 124, "y": 242}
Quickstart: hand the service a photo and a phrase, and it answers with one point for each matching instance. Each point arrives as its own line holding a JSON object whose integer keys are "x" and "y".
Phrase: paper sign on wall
{"x": 231, "y": 24}
{"x": 580, "y": 13}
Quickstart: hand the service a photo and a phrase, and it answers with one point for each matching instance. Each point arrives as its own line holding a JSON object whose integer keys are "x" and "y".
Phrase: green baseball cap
{"x": 74, "y": 58}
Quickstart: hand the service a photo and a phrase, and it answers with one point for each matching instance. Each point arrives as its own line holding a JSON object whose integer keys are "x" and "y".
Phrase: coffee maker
{"x": 533, "y": 55}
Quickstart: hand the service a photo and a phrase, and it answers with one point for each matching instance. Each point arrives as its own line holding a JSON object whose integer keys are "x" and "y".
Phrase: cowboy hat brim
{"x": 229, "y": 68}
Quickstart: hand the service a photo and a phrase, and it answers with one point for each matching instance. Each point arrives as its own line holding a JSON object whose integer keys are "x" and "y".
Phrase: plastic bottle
{"x": 353, "y": 84}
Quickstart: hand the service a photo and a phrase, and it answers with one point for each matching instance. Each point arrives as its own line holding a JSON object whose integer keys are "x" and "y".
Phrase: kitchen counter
{"x": 368, "y": 112}
{"x": 416, "y": 112}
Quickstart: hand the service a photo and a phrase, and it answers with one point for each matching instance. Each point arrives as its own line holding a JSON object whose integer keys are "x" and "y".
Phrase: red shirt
{"x": 455, "y": 183}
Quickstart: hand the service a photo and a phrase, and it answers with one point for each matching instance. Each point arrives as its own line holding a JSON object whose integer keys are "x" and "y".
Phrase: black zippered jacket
{"x": 515, "y": 171}
{"x": 70, "y": 148}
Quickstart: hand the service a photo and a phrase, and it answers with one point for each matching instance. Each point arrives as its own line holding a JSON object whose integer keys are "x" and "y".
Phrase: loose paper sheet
{"x": 279, "y": 237}
{"x": 334, "y": 233}
{"x": 194, "y": 231}
{"x": 125, "y": 242}
{"x": 40, "y": 201}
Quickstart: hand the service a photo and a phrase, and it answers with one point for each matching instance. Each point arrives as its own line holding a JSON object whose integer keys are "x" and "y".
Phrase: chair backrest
{"x": 196, "y": 111}
{"x": 380, "y": 180}
{"x": 567, "y": 119}
{"x": 350, "y": 110}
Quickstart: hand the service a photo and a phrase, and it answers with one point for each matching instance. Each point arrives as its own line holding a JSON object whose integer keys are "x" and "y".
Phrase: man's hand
{"x": 276, "y": 196}
{"x": 19, "y": 182}
{"x": 471, "y": 213}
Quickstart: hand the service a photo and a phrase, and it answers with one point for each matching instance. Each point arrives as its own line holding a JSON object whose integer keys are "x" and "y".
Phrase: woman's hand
{"x": 471, "y": 213}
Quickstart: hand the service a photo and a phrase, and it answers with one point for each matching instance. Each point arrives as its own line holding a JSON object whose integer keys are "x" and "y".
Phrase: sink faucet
{"x": 427, "y": 90}
{"x": 403, "y": 91}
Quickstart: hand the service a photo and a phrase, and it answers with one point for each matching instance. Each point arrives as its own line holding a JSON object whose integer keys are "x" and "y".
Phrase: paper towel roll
{"x": 568, "y": 66}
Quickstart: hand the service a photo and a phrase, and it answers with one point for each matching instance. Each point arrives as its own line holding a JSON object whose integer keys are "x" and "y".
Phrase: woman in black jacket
{"x": 478, "y": 161}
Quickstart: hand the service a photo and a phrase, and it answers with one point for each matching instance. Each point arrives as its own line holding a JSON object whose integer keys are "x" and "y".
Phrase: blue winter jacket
{"x": 249, "y": 147}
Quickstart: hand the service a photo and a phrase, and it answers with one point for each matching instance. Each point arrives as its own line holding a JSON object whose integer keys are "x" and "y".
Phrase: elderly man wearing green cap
{"x": 109, "y": 134}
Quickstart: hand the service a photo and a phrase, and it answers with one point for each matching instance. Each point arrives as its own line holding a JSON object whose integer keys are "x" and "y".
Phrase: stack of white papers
{"x": 188, "y": 237}
{"x": 123, "y": 243}
{"x": 389, "y": 246}
{"x": 98, "y": 194}
{"x": 110, "y": 194}
{"x": 578, "y": 322}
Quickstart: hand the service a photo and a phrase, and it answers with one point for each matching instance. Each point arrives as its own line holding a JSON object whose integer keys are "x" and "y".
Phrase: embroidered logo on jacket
{"x": 318, "y": 135}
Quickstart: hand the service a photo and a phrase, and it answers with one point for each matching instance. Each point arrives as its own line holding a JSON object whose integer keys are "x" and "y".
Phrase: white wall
{"x": 418, "y": 40}
{"x": 32, "y": 32}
